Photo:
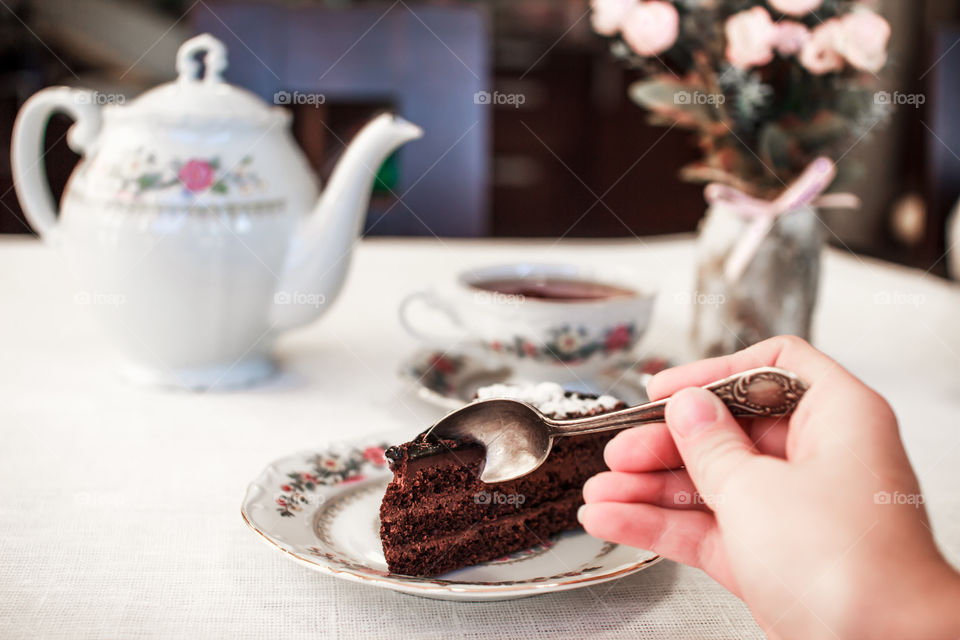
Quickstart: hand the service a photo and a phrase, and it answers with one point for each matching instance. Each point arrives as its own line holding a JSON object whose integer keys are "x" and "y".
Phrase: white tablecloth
{"x": 119, "y": 506}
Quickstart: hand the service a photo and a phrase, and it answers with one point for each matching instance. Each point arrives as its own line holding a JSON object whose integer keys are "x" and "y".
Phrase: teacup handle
{"x": 436, "y": 302}
{"x": 29, "y": 174}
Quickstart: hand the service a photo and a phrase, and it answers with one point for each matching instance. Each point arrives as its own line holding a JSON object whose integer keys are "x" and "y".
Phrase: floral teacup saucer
{"x": 321, "y": 509}
{"x": 449, "y": 379}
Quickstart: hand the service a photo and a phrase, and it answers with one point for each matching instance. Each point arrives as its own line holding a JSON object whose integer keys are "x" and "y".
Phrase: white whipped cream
{"x": 549, "y": 397}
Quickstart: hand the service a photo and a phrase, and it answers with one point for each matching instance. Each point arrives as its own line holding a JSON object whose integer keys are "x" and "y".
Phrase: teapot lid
{"x": 206, "y": 98}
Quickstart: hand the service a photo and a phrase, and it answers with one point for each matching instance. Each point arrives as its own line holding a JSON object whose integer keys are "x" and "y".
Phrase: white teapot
{"x": 194, "y": 223}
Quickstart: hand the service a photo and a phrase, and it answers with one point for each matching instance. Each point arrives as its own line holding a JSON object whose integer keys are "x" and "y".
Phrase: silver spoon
{"x": 518, "y": 437}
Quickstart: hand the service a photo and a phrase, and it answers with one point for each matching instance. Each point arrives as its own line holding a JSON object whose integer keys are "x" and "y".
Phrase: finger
{"x": 641, "y": 449}
{"x": 685, "y": 536}
{"x": 651, "y": 447}
{"x": 712, "y": 444}
{"x": 672, "y": 489}
{"x": 769, "y": 436}
{"x": 787, "y": 352}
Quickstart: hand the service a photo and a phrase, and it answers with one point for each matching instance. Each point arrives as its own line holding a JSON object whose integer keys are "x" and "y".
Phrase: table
{"x": 119, "y": 506}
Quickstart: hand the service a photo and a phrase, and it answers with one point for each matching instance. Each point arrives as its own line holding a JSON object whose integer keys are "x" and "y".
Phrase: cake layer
{"x": 484, "y": 541}
{"x": 436, "y": 516}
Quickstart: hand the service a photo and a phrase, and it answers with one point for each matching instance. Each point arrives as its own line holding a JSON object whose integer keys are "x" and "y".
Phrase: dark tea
{"x": 553, "y": 289}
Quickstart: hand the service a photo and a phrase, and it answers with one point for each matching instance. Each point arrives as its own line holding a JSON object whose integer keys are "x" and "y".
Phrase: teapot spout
{"x": 320, "y": 253}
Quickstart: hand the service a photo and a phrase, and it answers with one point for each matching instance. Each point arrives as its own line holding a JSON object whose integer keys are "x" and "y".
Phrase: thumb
{"x": 709, "y": 439}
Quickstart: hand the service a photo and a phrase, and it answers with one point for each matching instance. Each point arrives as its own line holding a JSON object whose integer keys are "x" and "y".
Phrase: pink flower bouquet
{"x": 769, "y": 86}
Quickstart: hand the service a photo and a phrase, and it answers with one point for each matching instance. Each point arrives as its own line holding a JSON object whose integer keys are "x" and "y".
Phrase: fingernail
{"x": 581, "y": 513}
{"x": 583, "y": 489}
{"x": 690, "y": 411}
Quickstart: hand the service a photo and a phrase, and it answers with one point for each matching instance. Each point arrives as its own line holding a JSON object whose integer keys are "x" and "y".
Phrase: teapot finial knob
{"x": 214, "y": 61}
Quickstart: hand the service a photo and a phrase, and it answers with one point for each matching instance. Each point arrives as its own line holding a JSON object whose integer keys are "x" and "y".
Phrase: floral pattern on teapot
{"x": 193, "y": 176}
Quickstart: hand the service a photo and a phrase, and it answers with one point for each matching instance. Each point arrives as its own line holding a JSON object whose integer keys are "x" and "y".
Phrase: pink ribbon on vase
{"x": 807, "y": 189}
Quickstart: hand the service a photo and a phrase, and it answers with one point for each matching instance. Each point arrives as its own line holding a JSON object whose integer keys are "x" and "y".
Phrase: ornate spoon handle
{"x": 759, "y": 393}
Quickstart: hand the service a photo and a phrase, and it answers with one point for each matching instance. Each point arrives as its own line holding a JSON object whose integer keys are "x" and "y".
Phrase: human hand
{"x": 815, "y": 521}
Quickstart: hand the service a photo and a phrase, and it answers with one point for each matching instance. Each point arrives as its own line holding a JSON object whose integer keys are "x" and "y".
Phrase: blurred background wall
{"x": 575, "y": 159}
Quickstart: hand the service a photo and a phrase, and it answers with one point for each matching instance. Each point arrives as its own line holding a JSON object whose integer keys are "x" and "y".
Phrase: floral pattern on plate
{"x": 336, "y": 531}
{"x": 326, "y": 469}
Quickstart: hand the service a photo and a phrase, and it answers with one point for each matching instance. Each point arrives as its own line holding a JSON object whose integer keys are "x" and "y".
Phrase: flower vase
{"x": 773, "y": 294}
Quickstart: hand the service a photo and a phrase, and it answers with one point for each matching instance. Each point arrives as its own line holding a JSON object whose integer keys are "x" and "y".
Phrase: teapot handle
{"x": 29, "y": 173}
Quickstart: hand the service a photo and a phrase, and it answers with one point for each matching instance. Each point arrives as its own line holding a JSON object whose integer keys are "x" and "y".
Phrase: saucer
{"x": 450, "y": 379}
{"x": 321, "y": 509}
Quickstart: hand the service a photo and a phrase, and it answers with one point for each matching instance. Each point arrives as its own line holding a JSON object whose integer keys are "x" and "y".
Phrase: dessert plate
{"x": 321, "y": 509}
{"x": 449, "y": 379}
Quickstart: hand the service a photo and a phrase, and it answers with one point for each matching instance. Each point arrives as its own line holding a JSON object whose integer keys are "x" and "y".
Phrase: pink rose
{"x": 750, "y": 38}
{"x": 820, "y": 55}
{"x": 862, "y": 40}
{"x": 790, "y": 37}
{"x": 608, "y": 15}
{"x": 196, "y": 175}
{"x": 795, "y": 7}
{"x": 375, "y": 455}
{"x": 619, "y": 338}
{"x": 650, "y": 28}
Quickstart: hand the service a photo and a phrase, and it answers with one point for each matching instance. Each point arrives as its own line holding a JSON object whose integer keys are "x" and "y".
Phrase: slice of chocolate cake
{"x": 437, "y": 515}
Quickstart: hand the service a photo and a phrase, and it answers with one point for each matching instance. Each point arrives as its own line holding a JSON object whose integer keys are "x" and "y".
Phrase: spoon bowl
{"x": 515, "y": 435}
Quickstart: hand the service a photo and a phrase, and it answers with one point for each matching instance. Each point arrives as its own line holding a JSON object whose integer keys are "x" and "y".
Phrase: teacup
{"x": 545, "y": 321}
